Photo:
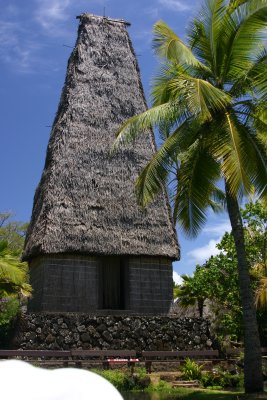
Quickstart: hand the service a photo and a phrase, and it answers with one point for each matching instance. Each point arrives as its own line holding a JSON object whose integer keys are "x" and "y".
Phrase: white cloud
{"x": 21, "y": 49}
{"x": 213, "y": 234}
{"x": 174, "y": 5}
{"x": 177, "y": 278}
{"x": 218, "y": 229}
{"x": 50, "y": 14}
{"x": 15, "y": 51}
{"x": 7, "y": 33}
{"x": 202, "y": 254}
{"x": 21, "y": 43}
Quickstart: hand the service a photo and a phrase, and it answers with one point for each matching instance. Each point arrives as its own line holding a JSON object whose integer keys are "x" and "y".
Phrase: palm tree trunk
{"x": 252, "y": 348}
{"x": 200, "y": 306}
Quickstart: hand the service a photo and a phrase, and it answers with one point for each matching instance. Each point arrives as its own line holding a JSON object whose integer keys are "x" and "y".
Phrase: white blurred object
{"x": 21, "y": 381}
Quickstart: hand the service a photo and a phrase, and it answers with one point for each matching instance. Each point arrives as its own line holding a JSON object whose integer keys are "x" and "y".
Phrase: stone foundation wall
{"x": 66, "y": 331}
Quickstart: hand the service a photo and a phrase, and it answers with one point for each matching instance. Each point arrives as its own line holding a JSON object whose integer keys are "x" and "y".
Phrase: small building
{"x": 90, "y": 247}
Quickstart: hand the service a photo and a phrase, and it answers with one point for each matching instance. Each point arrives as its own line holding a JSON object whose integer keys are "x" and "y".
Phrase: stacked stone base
{"x": 135, "y": 332}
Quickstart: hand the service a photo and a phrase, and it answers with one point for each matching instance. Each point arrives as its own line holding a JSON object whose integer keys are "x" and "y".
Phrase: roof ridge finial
{"x": 104, "y": 17}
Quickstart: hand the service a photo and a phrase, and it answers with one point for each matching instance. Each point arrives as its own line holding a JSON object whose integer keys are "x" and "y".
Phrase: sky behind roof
{"x": 36, "y": 39}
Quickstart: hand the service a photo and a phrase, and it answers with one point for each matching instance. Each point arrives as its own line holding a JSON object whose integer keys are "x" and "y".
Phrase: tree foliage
{"x": 209, "y": 102}
{"x": 13, "y": 273}
{"x": 12, "y": 232}
{"x": 217, "y": 280}
{"x": 14, "y": 281}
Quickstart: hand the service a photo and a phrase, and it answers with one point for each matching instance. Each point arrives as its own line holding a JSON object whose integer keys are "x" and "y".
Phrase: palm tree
{"x": 209, "y": 103}
{"x": 190, "y": 295}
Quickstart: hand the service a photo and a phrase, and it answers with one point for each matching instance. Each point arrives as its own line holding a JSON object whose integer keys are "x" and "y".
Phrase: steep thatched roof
{"x": 85, "y": 201}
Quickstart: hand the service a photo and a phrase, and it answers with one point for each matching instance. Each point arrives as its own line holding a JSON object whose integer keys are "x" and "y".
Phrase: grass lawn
{"x": 206, "y": 394}
{"x": 202, "y": 394}
{"x": 191, "y": 394}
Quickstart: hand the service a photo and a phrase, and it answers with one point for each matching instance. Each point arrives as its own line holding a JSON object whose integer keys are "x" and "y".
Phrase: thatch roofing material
{"x": 85, "y": 201}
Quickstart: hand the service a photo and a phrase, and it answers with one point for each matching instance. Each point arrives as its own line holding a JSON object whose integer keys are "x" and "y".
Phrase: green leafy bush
{"x": 191, "y": 370}
{"x": 141, "y": 379}
{"x": 161, "y": 386}
{"x": 124, "y": 381}
{"x": 207, "y": 379}
{"x": 117, "y": 378}
{"x": 9, "y": 308}
{"x": 221, "y": 378}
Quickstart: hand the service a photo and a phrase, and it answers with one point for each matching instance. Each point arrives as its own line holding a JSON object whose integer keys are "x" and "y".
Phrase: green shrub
{"x": 224, "y": 379}
{"x": 207, "y": 379}
{"x": 124, "y": 381}
{"x": 9, "y": 308}
{"x": 161, "y": 386}
{"x": 116, "y": 377}
{"x": 191, "y": 370}
{"x": 141, "y": 379}
{"x": 141, "y": 372}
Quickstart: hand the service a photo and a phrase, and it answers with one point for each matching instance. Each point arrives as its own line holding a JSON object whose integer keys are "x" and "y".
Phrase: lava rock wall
{"x": 68, "y": 331}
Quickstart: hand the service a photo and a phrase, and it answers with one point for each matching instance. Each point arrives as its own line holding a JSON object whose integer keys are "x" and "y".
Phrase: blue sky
{"x": 36, "y": 37}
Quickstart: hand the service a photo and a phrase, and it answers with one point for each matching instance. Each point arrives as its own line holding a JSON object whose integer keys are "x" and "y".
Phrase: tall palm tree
{"x": 209, "y": 102}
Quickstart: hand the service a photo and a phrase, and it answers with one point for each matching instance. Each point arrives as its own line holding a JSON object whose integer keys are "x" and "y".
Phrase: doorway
{"x": 112, "y": 283}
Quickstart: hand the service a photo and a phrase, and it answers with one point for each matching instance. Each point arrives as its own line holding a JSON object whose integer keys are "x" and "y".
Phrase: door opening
{"x": 112, "y": 282}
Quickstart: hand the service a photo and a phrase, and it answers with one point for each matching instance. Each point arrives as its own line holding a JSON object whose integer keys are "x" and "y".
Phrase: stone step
{"x": 189, "y": 384}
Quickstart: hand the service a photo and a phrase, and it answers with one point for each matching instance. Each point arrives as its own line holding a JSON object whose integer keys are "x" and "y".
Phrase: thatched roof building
{"x": 85, "y": 203}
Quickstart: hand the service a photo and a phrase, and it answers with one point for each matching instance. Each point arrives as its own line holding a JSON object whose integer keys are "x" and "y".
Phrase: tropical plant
{"x": 209, "y": 102}
{"x": 193, "y": 292}
{"x": 125, "y": 381}
{"x": 191, "y": 370}
{"x": 13, "y": 273}
{"x": 219, "y": 379}
{"x": 160, "y": 386}
{"x": 9, "y": 308}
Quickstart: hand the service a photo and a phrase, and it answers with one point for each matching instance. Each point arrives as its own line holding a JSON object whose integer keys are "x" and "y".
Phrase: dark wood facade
{"x": 91, "y": 284}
